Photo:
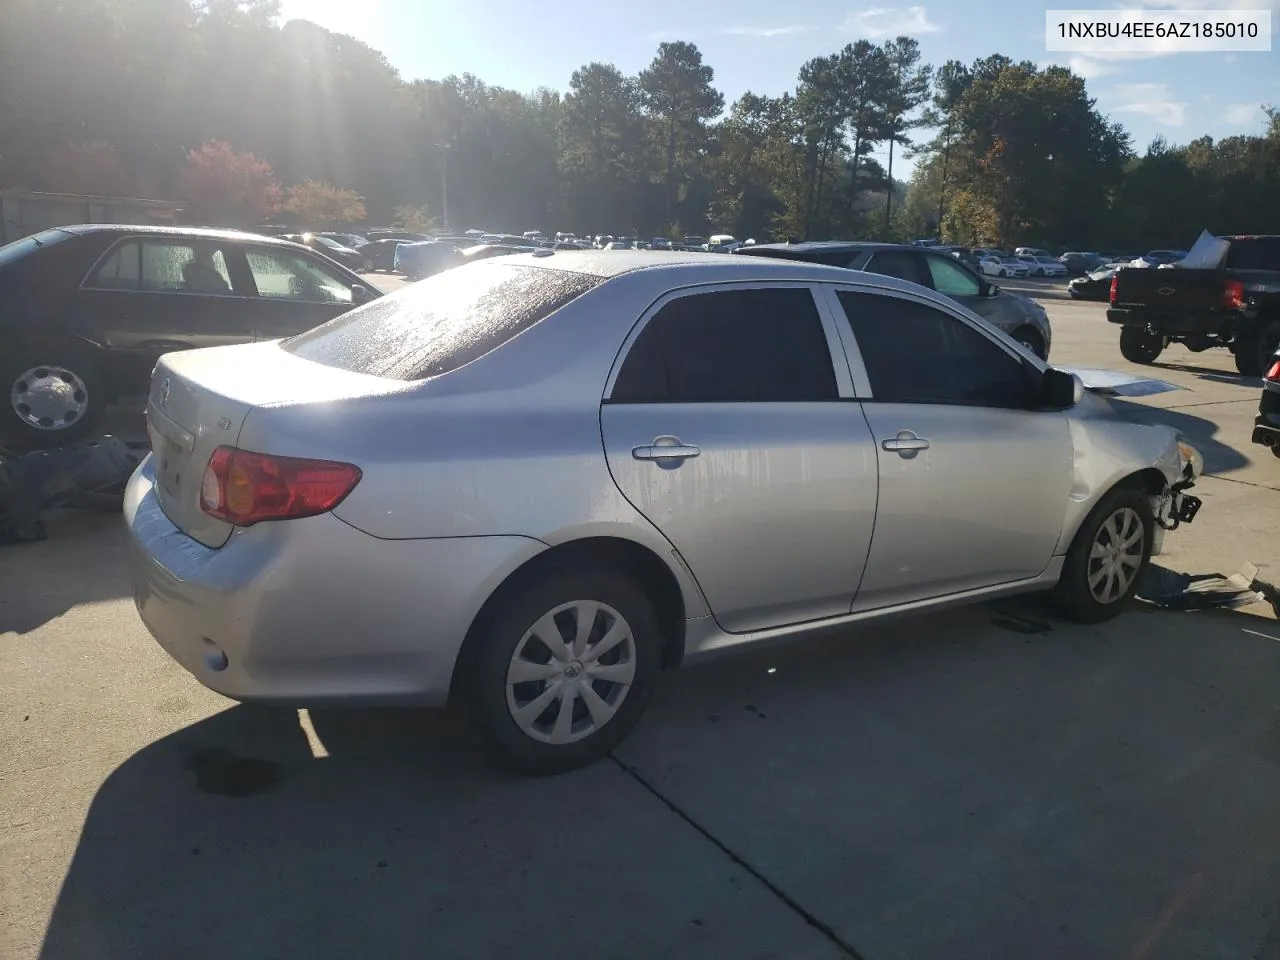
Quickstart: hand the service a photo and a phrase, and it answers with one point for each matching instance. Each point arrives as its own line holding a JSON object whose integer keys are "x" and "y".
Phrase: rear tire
{"x": 1253, "y": 351}
{"x": 1140, "y": 346}
{"x": 51, "y": 394}
{"x": 589, "y": 703}
{"x": 1107, "y": 558}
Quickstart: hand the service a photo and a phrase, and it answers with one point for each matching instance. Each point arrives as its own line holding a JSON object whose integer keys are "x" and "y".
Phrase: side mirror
{"x": 1060, "y": 390}
{"x": 359, "y": 293}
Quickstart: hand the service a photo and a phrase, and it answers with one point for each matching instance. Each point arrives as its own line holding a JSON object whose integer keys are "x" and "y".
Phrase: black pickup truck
{"x": 1236, "y": 305}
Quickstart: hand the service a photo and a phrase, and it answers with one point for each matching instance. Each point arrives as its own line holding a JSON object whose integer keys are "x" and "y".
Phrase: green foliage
{"x": 323, "y": 206}
{"x": 1008, "y": 153}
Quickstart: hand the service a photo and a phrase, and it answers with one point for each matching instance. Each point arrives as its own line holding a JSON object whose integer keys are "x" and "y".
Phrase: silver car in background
{"x": 530, "y": 483}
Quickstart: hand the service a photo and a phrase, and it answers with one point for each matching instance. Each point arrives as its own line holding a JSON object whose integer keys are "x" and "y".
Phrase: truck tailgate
{"x": 1176, "y": 291}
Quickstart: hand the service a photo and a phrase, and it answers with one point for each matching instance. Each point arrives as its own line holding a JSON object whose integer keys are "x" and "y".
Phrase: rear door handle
{"x": 905, "y": 444}
{"x": 665, "y": 448}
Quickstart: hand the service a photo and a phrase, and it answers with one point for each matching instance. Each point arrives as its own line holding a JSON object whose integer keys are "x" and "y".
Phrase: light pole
{"x": 444, "y": 181}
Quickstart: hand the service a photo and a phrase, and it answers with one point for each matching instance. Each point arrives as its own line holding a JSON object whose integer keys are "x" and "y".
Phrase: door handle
{"x": 665, "y": 448}
{"x": 906, "y": 444}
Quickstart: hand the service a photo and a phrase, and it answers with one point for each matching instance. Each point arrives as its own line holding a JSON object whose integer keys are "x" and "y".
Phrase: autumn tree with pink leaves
{"x": 225, "y": 187}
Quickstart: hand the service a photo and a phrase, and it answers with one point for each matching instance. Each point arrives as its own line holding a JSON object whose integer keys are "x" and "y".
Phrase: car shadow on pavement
{"x": 82, "y": 561}
{"x": 384, "y": 833}
{"x": 1041, "y": 789}
{"x": 1218, "y": 456}
{"x": 1213, "y": 375}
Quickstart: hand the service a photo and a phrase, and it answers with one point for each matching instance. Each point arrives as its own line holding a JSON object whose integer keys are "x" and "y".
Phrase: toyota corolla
{"x": 531, "y": 483}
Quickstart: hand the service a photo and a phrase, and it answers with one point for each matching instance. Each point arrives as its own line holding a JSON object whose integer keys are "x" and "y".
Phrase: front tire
{"x": 1107, "y": 558}
{"x": 51, "y": 395}
{"x": 1031, "y": 339}
{"x": 559, "y": 672}
{"x": 1140, "y": 346}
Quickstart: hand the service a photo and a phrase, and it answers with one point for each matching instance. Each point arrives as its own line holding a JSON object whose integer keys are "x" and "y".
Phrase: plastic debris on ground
{"x": 83, "y": 476}
{"x": 1206, "y": 591}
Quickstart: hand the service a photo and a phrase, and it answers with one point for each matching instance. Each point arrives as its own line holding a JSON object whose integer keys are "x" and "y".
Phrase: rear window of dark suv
{"x": 441, "y": 323}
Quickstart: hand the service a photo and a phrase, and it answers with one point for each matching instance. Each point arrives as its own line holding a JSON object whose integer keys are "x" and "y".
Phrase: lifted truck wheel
{"x": 1254, "y": 347}
{"x": 1140, "y": 346}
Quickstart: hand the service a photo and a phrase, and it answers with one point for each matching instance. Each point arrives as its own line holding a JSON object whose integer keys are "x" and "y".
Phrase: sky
{"x": 759, "y": 45}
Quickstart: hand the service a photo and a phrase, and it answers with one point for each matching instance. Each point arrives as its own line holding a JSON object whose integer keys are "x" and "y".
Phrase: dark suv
{"x": 1020, "y": 317}
{"x": 85, "y": 312}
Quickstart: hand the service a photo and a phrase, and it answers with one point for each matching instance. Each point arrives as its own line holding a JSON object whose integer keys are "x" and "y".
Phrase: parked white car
{"x": 1044, "y": 266}
{"x": 1034, "y": 252}
{"x": 992, "y": 267}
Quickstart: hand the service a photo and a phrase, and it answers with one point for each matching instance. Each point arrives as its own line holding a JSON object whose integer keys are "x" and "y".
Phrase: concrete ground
{"x": 989, "y": 783}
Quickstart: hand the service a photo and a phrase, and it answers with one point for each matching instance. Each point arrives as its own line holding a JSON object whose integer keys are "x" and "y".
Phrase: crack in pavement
{"x": 811, "y": 919}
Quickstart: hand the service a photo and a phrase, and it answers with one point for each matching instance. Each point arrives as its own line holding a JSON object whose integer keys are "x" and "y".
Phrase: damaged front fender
{"x": 1109, "y": 450}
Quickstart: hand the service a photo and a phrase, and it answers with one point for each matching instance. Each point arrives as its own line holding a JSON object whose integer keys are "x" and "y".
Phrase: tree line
{"x": 249, "y": 121}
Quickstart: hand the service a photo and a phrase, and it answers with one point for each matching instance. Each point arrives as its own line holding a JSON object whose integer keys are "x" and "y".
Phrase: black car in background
{"x": 380, "y": 254}
{"x": 1266, "y": 426}
{"x": 328, "y": 247}
{"x": 85, "y": 312}
{"x": 1095, "y": 285}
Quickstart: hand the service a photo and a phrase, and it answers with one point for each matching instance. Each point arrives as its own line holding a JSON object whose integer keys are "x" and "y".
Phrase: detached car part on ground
{"x": 85, "y": 312}
{"x": 527, "y": 484}
{"x": 1224, "y": 293}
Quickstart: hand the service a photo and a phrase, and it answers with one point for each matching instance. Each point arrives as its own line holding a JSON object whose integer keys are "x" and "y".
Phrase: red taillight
{"x": 245, "y": 488}
{"x": 1274, "y": 373}
{"x": 1233, "y": 295}
{"x": 1115, "y": 282}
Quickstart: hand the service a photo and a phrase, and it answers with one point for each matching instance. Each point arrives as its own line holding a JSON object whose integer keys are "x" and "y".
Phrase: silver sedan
{"x": 530, "y": 484}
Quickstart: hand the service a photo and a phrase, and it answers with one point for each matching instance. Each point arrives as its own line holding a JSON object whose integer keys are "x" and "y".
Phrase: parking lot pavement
{"x": 990, "y": 783}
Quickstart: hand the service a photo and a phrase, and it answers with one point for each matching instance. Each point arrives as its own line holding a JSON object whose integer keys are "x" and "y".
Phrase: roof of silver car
{"x": 684, "y": 268}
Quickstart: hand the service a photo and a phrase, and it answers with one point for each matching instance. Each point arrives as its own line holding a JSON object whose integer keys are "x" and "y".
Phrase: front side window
{"x": 730, "y": 346}
{"x": 952, "y": 279}
{"x": 281, "y": 275}
{"x": 915, "y": 353}
{"x": 120, "y": 271}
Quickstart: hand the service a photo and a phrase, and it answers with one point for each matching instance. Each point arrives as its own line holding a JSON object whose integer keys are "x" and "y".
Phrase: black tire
{"x": 366, "y": 266}
{"x": 84, "y": 366}
{"x": 1140, "y": 346}
{"x": 1073, "y": 595}
{"x": 1253, "y": 350}
{"x": 1032, "y": 339}
{"x": 495, "y": 639}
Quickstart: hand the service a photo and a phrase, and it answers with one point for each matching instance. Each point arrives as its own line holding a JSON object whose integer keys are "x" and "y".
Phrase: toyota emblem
{"x": 162, "y": 392}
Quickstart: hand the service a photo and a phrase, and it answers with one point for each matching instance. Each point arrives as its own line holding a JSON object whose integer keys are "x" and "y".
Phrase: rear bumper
{"x": 311, "y": 612}
{"x": 1266, "y": 426}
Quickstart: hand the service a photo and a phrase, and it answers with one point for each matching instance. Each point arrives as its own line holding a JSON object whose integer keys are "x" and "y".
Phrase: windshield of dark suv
{"x": 12, "y": 252}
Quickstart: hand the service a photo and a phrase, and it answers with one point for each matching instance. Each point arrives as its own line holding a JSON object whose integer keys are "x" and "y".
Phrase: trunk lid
{"x": 1174, "y": 291}
{"x": 199, "y": 400}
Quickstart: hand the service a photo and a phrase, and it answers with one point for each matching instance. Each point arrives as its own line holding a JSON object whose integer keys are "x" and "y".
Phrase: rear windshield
{"x": 1254, "y": 253}
{"x": 15, "y": 251}
{"x": 441, "y": 323}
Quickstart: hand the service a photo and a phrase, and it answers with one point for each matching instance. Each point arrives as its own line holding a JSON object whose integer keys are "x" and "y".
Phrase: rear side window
{"x": 915, "y": 353}
{"x": 1255, "y": 253}
{"x": 441, "y": 323}
{"x": 730, "y": 346}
